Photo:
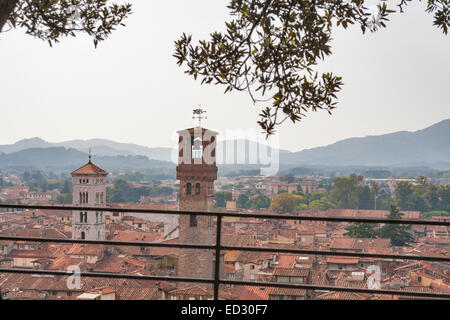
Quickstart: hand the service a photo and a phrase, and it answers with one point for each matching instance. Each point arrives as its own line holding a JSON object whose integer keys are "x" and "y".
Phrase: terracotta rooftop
{"x": 291, "y": 272}
{"x": 90, "y": 168}
{"x": 287, "y": 291}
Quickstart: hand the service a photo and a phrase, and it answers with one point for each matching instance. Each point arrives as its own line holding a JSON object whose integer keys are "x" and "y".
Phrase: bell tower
{"x": 196, "y": 172}
{"x": 89, "y": 190}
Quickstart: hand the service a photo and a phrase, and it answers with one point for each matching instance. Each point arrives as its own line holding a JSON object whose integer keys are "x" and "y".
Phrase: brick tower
{"x": 196, "y": 172}
{"x": 89, "y": 190}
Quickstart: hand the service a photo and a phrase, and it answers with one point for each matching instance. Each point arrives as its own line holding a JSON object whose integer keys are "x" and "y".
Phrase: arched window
{"x": 81, "y": 217}
{"x": 197, "y": 148}
{"x": 192, "y": 220}
{"x": 197, "y": 188}
{"x": 96, "y": 217}
{"x": 81, "y": 197}
{"x": 188, "y": 188}
{"x": 87, "y": 197}
{"x": 83, "y": 236}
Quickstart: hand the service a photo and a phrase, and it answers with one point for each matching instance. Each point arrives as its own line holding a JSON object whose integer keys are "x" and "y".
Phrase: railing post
{"x": 217, "y": 262}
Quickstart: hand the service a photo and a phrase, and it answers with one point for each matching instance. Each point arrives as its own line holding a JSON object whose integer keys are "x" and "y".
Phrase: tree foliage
{"x": 422, "y": 196}
{"x": 398, "y": 234}
{"x": 285, "y": 202}
{"x": 345, "y": 192}
{"x": 260, "y": 202}
{"x": 221, "y": 198}
{"x": 271, "y": 47}
{"x": 122, "y": 191}
{"x": 361, "y": 230}
{"x": 50, "y": 20}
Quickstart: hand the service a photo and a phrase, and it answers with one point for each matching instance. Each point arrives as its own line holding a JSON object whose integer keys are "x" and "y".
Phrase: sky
{"x": 130, "y": 89}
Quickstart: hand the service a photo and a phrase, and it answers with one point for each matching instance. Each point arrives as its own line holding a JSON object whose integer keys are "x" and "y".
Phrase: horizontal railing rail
{"x": 231, "y": 282}
{"x": 229, "y": 248}
{"x": 218, "y": 247}
{"x": 233, "y": 214}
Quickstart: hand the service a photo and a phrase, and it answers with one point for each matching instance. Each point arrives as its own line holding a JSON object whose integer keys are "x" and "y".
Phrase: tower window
{"x": 197, "y": 188}
{"x": 192, "y": 220}
{"x": 83, "y": 236}
{"x": 188, "y": 188}
{"x": 197, "y": 148}
{"x": 83, "y": 217}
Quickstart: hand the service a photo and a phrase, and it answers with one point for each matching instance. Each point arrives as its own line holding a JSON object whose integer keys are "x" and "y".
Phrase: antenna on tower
{"x": 198, "y": 115}
{"x": 90, "y": 156}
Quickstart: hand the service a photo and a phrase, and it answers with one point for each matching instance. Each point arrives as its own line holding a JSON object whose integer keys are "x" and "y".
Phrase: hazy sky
{"x": 130, "y": 89}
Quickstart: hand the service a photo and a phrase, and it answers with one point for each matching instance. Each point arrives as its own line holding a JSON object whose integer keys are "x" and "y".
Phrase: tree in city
{"x": 365, "y": 197}
{"x": 242, "y": 201}
{"x": 260, "y": 202}
{"x": 50, "y": 20}
{"x": 122, "y": 191}
{"x": 270, "y": 50}
{"x": 422, "y": 197}
{"x": 288, "y": 178}
{"x": 322, "y": 204}
{"x": 345, "y": 192}
{"x": 361, "y": 230}
{"x": 64, "y": 198}
{"x": 67, "y": 188}
{"x": 221, "y": 198}
{"x": 398, "y": 234}
{"x": 403, "y": 194}
{"x": 285, "y": 202}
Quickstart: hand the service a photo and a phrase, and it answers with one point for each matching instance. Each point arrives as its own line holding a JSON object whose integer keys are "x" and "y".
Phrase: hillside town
{"x": 304, "y": 196}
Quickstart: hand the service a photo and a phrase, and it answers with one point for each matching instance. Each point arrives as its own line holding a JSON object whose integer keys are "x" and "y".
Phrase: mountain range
{"x": 427, "y": 147}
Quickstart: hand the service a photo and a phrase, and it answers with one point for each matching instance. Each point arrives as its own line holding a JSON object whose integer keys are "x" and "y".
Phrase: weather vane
{"x": 198, "y": 115}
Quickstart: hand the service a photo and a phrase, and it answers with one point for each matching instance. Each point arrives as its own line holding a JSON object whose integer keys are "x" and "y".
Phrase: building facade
{"x": 89, "y": 190}
{"x": 196, "y": 172}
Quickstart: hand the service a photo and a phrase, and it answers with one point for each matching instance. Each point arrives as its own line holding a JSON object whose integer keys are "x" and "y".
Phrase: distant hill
{"x": 100, "y": 147}
{"x": 430, "y": 146}
{"x": 103, "y": 147}
{"x": 60, "y": 159}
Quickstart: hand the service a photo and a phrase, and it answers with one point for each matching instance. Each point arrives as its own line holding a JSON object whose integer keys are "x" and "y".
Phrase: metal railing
{"x": 218, "y": 247}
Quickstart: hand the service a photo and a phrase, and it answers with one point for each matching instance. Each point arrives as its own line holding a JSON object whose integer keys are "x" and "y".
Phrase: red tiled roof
{"x": 287, "y": 292}
{"x": 291, "y": 272}
{"x": 90, "y": 168}
{"x": 343, "y": 260}
{"x": 201, "y": 291}
{"x": 336, "y": 295}
{"x": 251, "y": 292}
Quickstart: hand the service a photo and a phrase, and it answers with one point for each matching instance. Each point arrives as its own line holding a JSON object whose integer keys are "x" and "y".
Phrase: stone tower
{"x": 89, "y": 190}
{"x": 196, "y": 172}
